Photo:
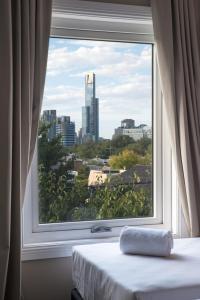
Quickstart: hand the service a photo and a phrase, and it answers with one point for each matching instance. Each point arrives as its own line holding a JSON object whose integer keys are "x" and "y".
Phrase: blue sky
{"x": 123, "y": 80}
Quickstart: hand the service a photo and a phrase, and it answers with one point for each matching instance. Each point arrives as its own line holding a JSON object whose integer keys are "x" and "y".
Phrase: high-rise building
{"x": 90, "y": 112}
{"x": 49, "y": 117}
{"x": 66, "y": 129}
{"x": 60, "y": 126}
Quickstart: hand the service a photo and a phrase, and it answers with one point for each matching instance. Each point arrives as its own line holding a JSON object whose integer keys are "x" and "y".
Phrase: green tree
{"x": 66, "y": 198}
{"x": 121, "y": 141}
{"x": 124, "y": 201}
{"x": 141, "y": 146}
{"x": 148, "y": 155}
{"x": 91, "y": 149}
{"x": 49, "y": 152}
{"x": 125, "y": 160}
{"x": 85, "y": 150}
{"x": 83, "y": 174}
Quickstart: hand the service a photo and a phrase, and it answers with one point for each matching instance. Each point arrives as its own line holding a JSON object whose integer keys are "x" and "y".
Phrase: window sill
{"x": 56, "y": 249}
{"x": 38, "y": 251}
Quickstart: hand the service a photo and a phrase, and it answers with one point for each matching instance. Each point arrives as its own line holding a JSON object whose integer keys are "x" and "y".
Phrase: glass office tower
{"x": 66, "y": 129}
{"x": 90, "y": 112}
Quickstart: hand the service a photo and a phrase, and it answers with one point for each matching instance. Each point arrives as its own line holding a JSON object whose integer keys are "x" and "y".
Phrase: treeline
{"x": 105, "y": 148}
{"x": 65, "y": 198}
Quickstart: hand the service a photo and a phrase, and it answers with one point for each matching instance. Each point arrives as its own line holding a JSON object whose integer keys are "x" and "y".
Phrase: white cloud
{"x": 103, "y": 59}
{"x": 123, "y": 83}
{"x": 90, "y": 43}
{"x": 127, "y": 100}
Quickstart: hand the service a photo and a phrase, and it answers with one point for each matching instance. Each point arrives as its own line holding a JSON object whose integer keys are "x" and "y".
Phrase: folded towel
{"x": 146, "y": 241}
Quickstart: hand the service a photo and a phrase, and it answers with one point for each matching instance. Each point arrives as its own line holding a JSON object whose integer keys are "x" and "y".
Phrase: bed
{"x": 102, "y": 272}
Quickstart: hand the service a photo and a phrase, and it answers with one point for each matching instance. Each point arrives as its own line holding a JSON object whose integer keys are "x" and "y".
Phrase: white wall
{"x": 48, "y": 279}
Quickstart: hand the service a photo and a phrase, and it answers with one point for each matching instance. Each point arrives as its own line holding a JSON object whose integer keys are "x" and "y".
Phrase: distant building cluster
{"x": 60, "y": 126}
{"x": 64, "y": 127}
{"x": 135, "y": 132}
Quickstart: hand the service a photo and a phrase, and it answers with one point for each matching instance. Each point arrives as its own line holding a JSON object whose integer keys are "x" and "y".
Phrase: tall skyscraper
{"x": 49, "y": 117}
{"x": 90, "y": 112}
{"x": 66, "y": 129}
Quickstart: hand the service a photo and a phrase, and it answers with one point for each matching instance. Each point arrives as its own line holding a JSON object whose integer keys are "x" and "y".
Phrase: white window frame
{"x": 101, "y": 21}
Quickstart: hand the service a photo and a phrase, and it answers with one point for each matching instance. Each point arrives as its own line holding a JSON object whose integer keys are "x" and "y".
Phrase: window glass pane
{"x": 95, "y": 132}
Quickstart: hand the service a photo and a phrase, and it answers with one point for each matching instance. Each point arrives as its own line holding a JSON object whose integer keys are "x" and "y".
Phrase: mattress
{"x": 102, "y": 272}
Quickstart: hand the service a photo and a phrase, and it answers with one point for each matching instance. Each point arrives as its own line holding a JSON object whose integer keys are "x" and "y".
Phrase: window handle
{"x": 99, "y": 228}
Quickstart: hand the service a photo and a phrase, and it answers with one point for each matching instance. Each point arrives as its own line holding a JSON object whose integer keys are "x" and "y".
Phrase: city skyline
{"x": 123, "y": 94}
{"x": 63, "y": 126}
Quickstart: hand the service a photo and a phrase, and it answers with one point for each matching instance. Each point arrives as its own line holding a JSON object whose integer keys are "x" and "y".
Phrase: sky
{"x": 123, "y": 81}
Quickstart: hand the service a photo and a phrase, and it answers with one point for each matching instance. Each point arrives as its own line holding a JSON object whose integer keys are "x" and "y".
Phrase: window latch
{"x": 100, "y": 228}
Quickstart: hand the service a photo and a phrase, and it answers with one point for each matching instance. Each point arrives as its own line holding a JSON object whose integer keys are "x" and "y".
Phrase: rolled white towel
{"x": 146, "y": 241}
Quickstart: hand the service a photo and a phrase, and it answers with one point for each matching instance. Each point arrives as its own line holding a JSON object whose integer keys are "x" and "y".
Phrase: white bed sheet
{"x": 102, "y": 272}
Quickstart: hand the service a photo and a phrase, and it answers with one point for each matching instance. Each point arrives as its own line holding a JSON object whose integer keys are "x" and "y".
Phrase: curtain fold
{"x": 24, "y": 35}
{"x": 177, "y": 32}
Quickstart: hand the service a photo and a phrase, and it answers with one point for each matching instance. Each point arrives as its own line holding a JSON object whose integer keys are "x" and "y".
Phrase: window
{"x": 102, "y": 155}
{"x": 95, "y": 134}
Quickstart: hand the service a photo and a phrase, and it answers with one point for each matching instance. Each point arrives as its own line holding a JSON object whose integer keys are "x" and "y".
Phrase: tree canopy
{"x": 125, "y": 160}
{"x": 64, "y": 197}
{"x": 50, "y": 152}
